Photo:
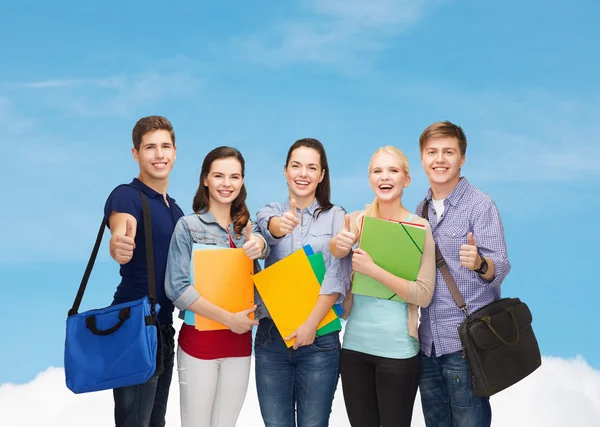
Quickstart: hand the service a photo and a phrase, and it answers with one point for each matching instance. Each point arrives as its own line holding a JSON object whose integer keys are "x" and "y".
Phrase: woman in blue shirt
{"x": 296, "y": 386}
{"x": 380, "y": 362}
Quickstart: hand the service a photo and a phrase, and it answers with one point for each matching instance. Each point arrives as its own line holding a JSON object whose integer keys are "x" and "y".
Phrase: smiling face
{"x": 442, "y": 160}
{"x": 303, "y": 172}
{"x": 155, "y": 156}
{"x": 224, "y": 181}
{"x": 388, "y": 176}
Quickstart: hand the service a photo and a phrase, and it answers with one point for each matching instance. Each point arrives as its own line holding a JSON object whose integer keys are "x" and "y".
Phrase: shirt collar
{"x": 207, "y": 217}
{"x": 149, "y": 191}
{"x": 311, "y": 208}
{"x": 456, "y": 194}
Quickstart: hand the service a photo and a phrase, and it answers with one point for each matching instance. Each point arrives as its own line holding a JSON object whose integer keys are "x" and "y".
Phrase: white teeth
{"x": 301, "y": 182}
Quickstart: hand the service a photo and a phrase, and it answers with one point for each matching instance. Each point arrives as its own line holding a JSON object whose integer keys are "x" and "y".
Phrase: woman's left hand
{"x": 304, "y": 334}
{"x": 362, "y": 262}
{"x": 254, "y": 246}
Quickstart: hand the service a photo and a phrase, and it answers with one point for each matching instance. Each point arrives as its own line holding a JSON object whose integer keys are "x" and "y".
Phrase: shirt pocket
{"x": 458, "y": 231}
{"x": 319, "y": 240}
{"x": 205, "y": 237}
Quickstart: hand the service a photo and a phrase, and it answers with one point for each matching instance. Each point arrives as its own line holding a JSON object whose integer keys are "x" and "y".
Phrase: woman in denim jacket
{"x": 213, "y": 366}
{"x": 301, "y": 381}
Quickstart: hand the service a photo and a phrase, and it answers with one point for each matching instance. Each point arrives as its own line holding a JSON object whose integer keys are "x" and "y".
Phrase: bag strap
{"x": 149, "y": 261}
{"x": 441, "y": 264}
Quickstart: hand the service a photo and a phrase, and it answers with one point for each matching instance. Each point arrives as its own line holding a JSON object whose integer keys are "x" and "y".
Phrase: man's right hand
{"x": 240, "y": 323}
{"x": 345, "y": 237}
{"x": 122, "y": 246}
{"x": 289, "y": 220}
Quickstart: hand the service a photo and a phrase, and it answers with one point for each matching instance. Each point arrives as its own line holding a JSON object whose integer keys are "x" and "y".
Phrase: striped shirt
{"x": 466, "y": 209}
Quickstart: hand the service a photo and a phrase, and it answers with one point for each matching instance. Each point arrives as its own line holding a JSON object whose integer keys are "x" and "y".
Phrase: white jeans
{"x": 212, "y": 392}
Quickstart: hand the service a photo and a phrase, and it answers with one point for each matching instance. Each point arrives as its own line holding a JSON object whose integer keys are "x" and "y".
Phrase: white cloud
{"x": 118, "y": 95}
{"x": 560, "y": 393}
{"x": 337, "y": 33}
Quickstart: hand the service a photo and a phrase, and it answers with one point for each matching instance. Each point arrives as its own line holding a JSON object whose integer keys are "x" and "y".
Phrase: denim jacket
{"x": 199, "y": 228}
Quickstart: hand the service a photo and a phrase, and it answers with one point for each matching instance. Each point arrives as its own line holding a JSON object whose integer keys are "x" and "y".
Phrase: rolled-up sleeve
{"x": 177, "y": 278}
{"x": 488, "y": 233}
{"x": 263, "y": 217}
{"x": 256, "y": 230}
{"x": 337, "y": 276}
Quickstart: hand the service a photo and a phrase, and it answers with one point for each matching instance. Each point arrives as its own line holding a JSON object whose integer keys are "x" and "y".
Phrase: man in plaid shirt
{"x": 467, "y": 228}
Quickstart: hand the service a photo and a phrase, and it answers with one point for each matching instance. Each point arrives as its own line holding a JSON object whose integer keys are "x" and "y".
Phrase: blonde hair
{"x": 373, "y": 209}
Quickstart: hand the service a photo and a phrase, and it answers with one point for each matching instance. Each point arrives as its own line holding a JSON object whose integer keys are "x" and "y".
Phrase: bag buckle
{"x": 464, "y": 310}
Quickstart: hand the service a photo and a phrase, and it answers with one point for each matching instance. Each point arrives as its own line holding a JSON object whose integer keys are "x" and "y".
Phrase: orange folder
{"x": 289, "y": 289}
{"x": 223, "y": 277}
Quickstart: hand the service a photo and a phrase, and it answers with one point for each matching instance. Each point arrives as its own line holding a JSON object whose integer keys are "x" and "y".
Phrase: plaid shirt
{"x": 466, "y": 209}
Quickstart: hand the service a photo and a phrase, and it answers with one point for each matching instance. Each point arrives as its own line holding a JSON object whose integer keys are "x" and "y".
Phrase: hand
{"x": 469, "y": 254}
{"x": 362, "y": 262}
{"x": 345, "y": 237}
{"x": 121, "y": 247}
{"x": 240, "y": 323}
{"x": 305, "y": 335}
{"x": 289, "y": 220}
{"x": 252, "y": 248}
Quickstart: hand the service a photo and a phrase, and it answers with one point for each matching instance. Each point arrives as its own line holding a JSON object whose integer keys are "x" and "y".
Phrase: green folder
{"x": 318, "y": 265}
{"x": 397, "y": 247}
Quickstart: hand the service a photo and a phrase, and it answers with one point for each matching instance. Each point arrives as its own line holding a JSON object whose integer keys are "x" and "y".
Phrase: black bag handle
{"x": 149, "y": 261}
{"x": 488, "y": 321}
{"x": 90, "y": 322}
{"x": 441, "y": 264}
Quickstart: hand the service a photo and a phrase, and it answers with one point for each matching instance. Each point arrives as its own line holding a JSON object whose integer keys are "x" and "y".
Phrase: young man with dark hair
{"x": 154, "y": 150}
{"x": 468, "y": 231}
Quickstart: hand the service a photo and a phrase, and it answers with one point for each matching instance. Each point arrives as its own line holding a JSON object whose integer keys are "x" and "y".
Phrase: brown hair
{"x": 239, "y": 211}
{"x": 323, "y": 191}
{"x": 444, "y": 129}
{"x": 149, "y": 124}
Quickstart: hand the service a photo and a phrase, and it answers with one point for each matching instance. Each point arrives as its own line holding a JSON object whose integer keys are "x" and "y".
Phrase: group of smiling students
{"x": 378, "y": 357}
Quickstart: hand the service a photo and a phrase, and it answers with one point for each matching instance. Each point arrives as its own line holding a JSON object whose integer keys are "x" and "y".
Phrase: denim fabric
{"x": 145, "y": 405}
{"x": 198, "y": 228}
{"x": 295, "y": 387}
{"x": 446, "y": 394}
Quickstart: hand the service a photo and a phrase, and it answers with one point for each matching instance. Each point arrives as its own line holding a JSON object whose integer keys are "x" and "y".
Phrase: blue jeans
{"x": 295, "y": 384}
{"x": 145, "y": 405}
{"x": 446, "y": 394}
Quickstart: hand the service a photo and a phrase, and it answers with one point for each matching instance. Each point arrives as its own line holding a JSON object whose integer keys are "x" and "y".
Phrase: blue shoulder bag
{"x": 116, "y": 346}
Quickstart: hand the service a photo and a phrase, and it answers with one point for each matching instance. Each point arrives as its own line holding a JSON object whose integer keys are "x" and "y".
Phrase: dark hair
{"x": 323, "y": 192}
{"x": 442, "y": 129}
{"x": 149, "y": 124}
{"x": 239, "y": 211}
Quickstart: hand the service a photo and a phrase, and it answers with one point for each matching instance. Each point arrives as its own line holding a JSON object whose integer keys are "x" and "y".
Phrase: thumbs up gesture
{"x": 469, "y": 254}
{"x": 122, "y": 245}
{"x": 252, "y": 248}
{"x": 289, "y": 220}
{"x": 345, "y": 238}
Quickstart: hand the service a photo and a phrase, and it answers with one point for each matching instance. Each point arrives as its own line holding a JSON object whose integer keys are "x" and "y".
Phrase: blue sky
{"x": 522, "y": 80}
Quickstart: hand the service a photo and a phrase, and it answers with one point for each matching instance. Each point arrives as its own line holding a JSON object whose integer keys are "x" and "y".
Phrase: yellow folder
{"x": 290, "y": 289}
{"x": 223, "y": 277}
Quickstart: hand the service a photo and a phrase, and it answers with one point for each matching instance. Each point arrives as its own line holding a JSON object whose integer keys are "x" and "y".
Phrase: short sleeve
{"x": 123, "y": 199}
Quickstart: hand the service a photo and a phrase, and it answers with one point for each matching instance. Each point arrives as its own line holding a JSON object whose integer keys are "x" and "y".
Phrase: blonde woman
{"x": 380, "y": 362}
